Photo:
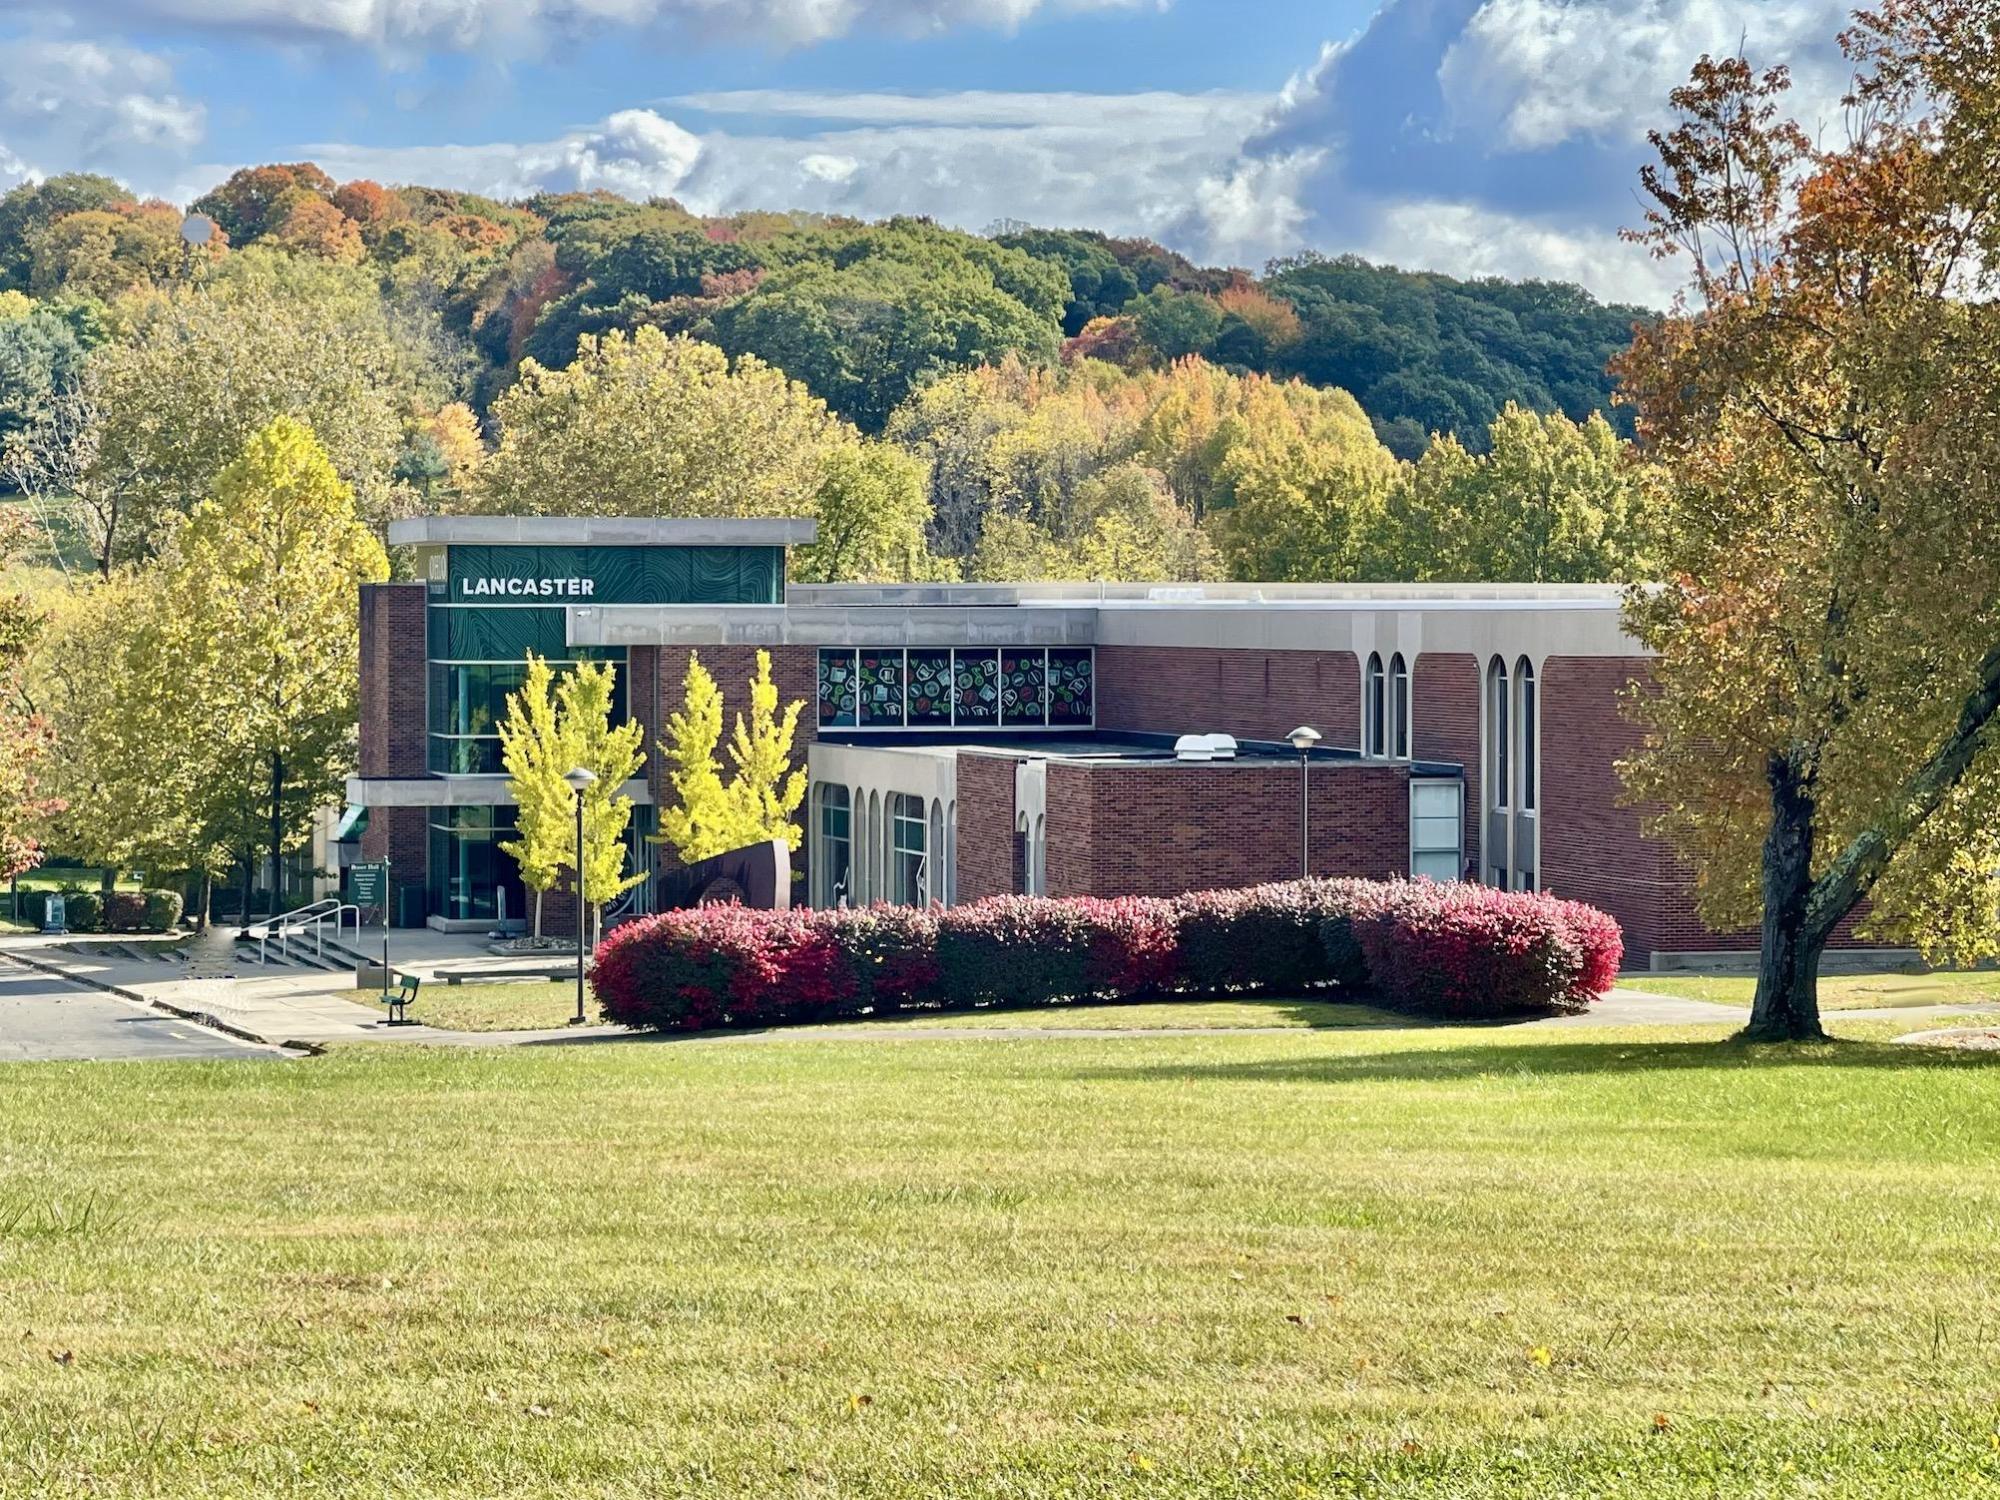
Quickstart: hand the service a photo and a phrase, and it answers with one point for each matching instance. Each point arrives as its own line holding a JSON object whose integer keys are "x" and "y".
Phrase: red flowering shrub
{"x": 1453, "y": 950}
{"x": 1132, "y": 946}
{"x": 891, "y": 952}
{"x": 721, "y": 966}
{"x": 1474, "y": 951}
{"x": 1268, "y": 937}
{"x": 1012, "y": 950}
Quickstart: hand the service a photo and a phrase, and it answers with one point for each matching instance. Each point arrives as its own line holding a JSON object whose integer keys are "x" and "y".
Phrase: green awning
{"x": 353, "y": 823}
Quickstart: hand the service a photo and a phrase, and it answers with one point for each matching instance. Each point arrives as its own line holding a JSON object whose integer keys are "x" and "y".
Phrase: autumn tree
{"x": 208, "y": 367}
{"x": 613, "y": 754}
{"x": 1549, "y": 501}
{"x": 270, "y": 570}
{"x": 536, "y": 756}
{"x": 1821, "y": 403}
{"x": 256, "y": 200}
{"x": 698, "y": 821}
{"x": 647, "y": 425}
{"x": 766, "y": 789}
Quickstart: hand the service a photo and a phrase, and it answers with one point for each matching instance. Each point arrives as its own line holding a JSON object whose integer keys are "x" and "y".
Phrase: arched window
{"x": 1372, "y": 708}
{"x": 1399, "y": 707}
{"x": 908, "y": 849}
{"x": 1497, "y": 764}
{"x": 934, "y": 856}
{"x": 950, "y": 897}
{"x": 1530, "y": 758}
{"x": 833, "y": 868}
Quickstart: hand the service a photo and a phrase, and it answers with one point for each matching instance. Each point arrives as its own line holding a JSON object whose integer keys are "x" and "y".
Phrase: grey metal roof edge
{"x": 605, "y": 531}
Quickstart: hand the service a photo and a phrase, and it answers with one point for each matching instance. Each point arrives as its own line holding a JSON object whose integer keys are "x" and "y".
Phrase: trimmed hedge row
{"x": 95, "y": 911}
{"x": 1461, "y": 951}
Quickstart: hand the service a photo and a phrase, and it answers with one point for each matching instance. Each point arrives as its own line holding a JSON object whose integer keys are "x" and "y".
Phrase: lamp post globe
{"x": 1303, "y": 739}
{"x": 580, "y": 779}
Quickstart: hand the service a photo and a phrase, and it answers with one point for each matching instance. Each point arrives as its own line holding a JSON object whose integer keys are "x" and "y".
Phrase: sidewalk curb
{"x": 137, "y": 997}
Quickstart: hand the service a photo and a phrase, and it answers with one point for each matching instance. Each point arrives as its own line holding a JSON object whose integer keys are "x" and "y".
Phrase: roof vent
{"x": 1205, "y": 747}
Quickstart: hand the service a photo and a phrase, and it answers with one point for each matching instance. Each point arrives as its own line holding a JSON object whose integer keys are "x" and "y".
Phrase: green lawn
{"x": 1384, "y": 1263}
{"x": 527, "y": 1005}
{"x": 1206, "y": 1015}
{"x": 1840, "y": 991}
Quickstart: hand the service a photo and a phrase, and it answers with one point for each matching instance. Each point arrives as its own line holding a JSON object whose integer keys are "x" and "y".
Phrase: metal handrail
{"x": 313, "y": 916}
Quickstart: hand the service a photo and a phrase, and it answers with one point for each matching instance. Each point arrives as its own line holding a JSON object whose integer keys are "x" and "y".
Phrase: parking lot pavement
{"x": 46, "y": 1019}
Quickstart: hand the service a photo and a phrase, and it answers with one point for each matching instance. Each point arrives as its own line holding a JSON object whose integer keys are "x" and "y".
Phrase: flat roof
{"x": 604, "y": 531}
{"x": 1141, "y": 596}
{"x": 1108, "y": 747}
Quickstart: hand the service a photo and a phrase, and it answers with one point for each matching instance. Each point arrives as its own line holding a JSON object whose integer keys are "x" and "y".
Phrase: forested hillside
{"x": 1030, "y": 403}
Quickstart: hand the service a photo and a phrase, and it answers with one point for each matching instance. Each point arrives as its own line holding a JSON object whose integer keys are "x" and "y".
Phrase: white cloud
{"x": 90, "y": 106}
{"x": 1535, "y": 73}
{"x": 1128, "y": 164}
{"x": 1505, "y": 136}
{"x": 465, "y": 25}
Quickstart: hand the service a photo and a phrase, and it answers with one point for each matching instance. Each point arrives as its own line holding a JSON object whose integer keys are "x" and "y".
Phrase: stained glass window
{"x": 1070, "y": 688}
{"x": 929, "y": 701}
{"x": 881, "y": 686}
{"x": 836, "y": 688}
{"x": 976, "y": 679}
{"x": 1022, "y": 673}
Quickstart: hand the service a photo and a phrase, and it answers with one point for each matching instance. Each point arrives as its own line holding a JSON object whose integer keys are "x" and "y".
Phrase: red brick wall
{"x": 1591, "y": 848}
{"x": 1158, "y": 830}
{"x": 985, "y": 826}
{"x": 1444, "y": 715}
{"x": 392, "y": 679}
{"x": 1261, "y": 695}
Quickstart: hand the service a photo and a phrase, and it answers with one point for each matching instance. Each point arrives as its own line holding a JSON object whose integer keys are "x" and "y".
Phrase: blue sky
{"x": 1470, "y": 136}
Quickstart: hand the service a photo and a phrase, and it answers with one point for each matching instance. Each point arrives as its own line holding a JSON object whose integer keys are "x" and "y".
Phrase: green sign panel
{"x": 369, "y": 885}
{"x": 500, "y": 575}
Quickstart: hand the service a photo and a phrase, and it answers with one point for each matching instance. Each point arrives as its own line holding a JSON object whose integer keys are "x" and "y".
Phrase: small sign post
{"x": 369, "y": 885}
{"x": 53, "y": 915}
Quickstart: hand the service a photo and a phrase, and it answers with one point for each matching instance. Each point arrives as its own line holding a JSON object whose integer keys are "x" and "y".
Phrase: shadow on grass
{"x": 1562, "y": 1058}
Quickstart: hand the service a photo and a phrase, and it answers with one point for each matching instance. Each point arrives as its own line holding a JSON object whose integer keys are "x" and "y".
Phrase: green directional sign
{"x": 369, "y": 885}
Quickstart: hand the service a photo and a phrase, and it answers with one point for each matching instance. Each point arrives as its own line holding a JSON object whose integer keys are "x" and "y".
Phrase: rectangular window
{"x": 881, "y": 687}
{"x": 928, "y": 702}
{"x": 1072, "y": 687}
{"x": 1436, "y": 829}
{"x": 1023, "y": 678}
{"x": 976, "y": 687}
{"x": 838, "y": 690}
{"x": 1497, "y": 752}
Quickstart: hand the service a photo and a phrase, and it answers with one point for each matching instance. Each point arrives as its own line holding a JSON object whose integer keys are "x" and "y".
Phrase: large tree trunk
{"x": 249, "y": 872}
{"x": 201, "y": 907}
{"x": 1786, "y": 1007}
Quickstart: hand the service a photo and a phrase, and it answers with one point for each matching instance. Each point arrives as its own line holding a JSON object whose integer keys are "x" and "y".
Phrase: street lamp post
{"x": 1303, "y": 739}
{"x": 580, "y": 781}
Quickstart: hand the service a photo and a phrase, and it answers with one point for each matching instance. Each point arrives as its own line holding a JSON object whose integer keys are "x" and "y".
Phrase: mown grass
{"x": 1387, "y": 1263}
{"x": 1204, "y": 1015}
{"x": 523, "y": 1005}
{"x": 1841, "y": 991}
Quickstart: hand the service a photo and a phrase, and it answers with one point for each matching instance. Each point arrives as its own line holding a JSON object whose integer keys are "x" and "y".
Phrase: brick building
{"x": 964, "y": 740}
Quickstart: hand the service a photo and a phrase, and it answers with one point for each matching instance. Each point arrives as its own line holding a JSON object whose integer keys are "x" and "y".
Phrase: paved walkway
{"x": 47, "y": 1019}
